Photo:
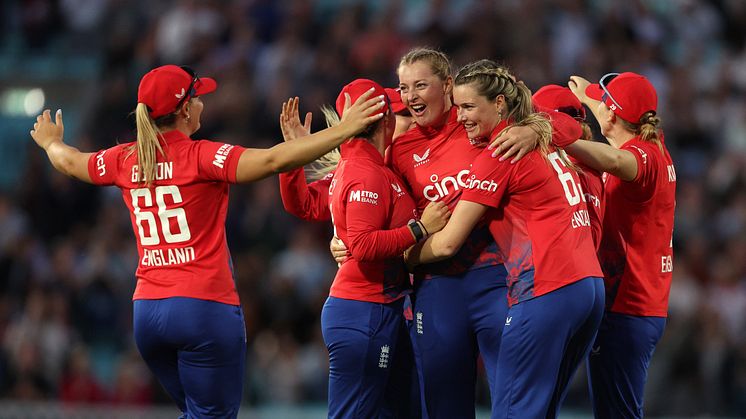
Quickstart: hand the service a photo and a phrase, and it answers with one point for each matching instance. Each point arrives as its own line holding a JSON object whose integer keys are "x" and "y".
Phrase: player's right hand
{"x": 45, "y": 131}
{"x": 338, "y": 250}
{"x": 435, "y": 216}
{"x": 578, "y": 85}
{"x": 290, "y": 121}
{"x": 358, "y": 116}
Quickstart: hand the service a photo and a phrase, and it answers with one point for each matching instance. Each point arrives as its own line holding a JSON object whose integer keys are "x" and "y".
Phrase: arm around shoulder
{"x": 605, "y": 158}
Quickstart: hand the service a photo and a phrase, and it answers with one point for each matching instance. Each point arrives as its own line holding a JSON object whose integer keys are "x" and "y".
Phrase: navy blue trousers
{"x": 197, "y": 350}
{"x": 618, "y": 364}
{"x": 455, "y": 319}
{"x": 370, "y": 358}
{"x": 543, "y": 342}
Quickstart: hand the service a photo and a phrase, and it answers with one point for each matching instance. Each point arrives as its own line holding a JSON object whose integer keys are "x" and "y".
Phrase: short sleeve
{"x": 103, "y": 167}
{"x": 218, "y": 161}
{"x": 647, "y": 170}
{"x": 488, "y": 181}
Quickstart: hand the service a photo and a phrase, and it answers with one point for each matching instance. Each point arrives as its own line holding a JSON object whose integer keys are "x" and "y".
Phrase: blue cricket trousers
{"x": 197, "y": 350}
{"x": 366, "y": 364}
{"x": 455, "y": 319}
{"x": 618, "y": 364}
{"x": 543, "y": 342}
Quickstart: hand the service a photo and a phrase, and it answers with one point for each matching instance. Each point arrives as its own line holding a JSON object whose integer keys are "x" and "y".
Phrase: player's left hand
{"x": 339, "y": 250}
{"x": 290, "y": 121}
{"x": 515, "y": 141}
{"x": 45, "y": 131}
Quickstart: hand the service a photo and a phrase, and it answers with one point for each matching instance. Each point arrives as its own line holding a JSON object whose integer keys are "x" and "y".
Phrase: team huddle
{"x": 471, "y": 218}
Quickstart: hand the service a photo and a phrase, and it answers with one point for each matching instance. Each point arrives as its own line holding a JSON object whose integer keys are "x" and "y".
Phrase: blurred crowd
{"x": 67, "y": 253}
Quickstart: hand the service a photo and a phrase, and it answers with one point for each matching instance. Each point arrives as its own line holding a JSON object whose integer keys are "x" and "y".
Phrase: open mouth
{"x": 470, "y": 126}
{"x": 418, "y": 109}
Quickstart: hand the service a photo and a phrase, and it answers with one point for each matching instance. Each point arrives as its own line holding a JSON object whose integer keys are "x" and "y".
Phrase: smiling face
{"x": 425, "y": 94}
{"x": 478, "y": 115}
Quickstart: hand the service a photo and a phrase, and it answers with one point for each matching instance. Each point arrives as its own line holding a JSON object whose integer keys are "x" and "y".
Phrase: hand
{"x": 290, "y": 121}
{"x": 338, "y": 250}
{"x": 578, "y": 85}
{"x": 45, "y": 131}
{"x": 514, "y": 141}
{"x": 358, "y": 116}
{"x": 435, "y": 216}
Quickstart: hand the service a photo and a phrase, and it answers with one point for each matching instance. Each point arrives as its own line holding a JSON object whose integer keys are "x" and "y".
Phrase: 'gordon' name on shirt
{"x": 164, "y": 170}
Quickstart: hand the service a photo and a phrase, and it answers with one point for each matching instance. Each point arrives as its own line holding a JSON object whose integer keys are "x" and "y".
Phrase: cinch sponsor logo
{"x": 364, "y": 196}
{"x": 439, "y": 188}
{"x": 221, "y": 155}
{"x": 100, "y": 164}
{"x": 593, "y": 199}
{"x": 482, "y": 185}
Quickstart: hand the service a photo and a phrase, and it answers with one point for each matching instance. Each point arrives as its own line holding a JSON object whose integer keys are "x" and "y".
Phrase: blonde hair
{"x": 148, "y": 144}
{"x": 647, "y": 128}
{"x": 492, "y": 80}
{"x": 438, "y": 61}
{"x": 328, "y": 162}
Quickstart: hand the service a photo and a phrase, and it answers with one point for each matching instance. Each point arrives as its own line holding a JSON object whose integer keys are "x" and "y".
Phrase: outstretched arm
{"x": 255, "y": 164}
{"x": 66, "y": 159}
{"x": 306, "y": 201}
{"x": 605, "y": 158}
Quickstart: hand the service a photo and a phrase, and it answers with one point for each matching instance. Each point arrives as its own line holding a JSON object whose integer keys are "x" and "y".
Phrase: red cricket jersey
{"x": 434, "y": 163}
{"x": 370, "y": 210}
{"x": 539, "y": 218}
{"x": 592, "y": 184}
{"x": 636, "y": 248}
{"x": 308, "y": 202}
{"x": 179, "y": 222}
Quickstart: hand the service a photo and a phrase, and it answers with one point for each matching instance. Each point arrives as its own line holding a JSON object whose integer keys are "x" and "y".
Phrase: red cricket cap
{"x": 394, "y": 96}
{"x": 165, "y": 87}
{"x": 355, "y": 89}
{"x": 560, "y": 99}
{"x": 628, "y": 95}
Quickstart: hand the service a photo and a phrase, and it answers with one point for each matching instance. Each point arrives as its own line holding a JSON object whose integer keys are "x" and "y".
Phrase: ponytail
{"x": 323, "y": 165}
{"x": 148, "y": 144}
{"x": 647, "y": 128}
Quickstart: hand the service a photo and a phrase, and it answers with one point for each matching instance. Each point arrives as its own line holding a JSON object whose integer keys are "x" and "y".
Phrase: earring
{"x": 188, "y": 117}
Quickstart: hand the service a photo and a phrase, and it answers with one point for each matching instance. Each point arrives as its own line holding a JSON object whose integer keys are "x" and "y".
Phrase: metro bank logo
{"x": 364, "y": 196}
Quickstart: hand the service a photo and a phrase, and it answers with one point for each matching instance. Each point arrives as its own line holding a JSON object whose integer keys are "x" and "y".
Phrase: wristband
{"x": 422, "y": 225}
{"x": 415, "y": 228}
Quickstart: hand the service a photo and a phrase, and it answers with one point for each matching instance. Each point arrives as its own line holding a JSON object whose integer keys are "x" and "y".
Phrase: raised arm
{"x": 66, "y": 159}
{"x": 309, "y": 202}
{"x": 602, "y": 157}
{"x": 448, "y": 241}
{"x": 255, "y": 164}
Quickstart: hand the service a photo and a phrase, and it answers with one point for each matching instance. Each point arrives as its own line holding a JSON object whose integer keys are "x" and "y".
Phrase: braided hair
{"x": 491, "y": 80}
